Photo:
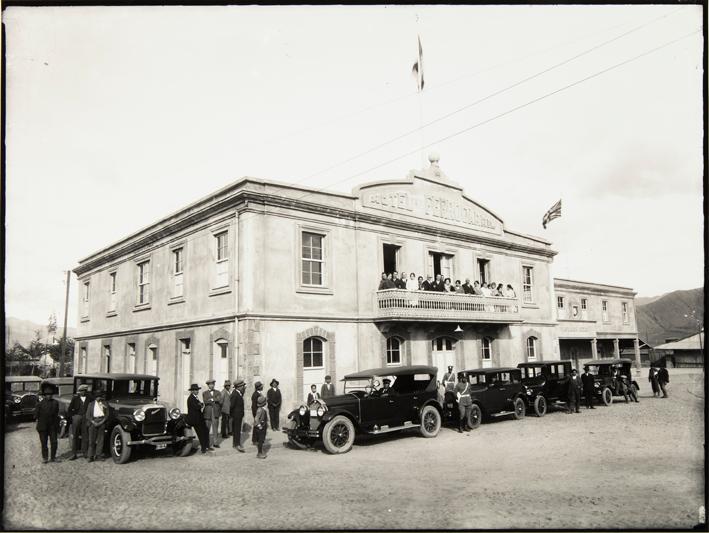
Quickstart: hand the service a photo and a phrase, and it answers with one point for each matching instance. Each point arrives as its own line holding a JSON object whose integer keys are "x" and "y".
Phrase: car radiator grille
{"x": 154, "y": 422}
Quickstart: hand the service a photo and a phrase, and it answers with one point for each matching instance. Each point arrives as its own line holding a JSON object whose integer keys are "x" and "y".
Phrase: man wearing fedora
{"x": 195, "y": 417}
{"x": 226, "y": 407}
{"x": 212, "y": 411}
{"x": 96, "y": 416}
{"x": 237, "y": 412}
{"x": 47, "y": 414}
{"x": 261, "y": 425}
{"x": 76, "y": 415}
{"x": 274, "y": 404}
{"x": 258, "y": 393}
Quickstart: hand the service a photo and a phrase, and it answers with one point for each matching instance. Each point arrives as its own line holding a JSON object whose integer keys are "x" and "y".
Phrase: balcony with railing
{"x": 399, "y": 304}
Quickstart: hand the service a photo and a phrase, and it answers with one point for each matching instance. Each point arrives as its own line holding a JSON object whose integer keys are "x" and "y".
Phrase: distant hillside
{"x": 644, "y": 300}
{"x": 663, "y": 318}
{"x": 23, "y": 331}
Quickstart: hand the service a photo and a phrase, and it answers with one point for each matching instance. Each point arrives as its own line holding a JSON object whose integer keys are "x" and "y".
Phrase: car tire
{"x": 338, "y": 435}
{"x": 520, "y": 409}
{"x": 297, "y": 443}
{"x": 184, "y": 447}
{"x": 540, "y": 406}
{"x": 607, "y": 396}
{"x": 120, "y": 451}
{"x": 475, "y": 417}
{"x": 430, "y": 422}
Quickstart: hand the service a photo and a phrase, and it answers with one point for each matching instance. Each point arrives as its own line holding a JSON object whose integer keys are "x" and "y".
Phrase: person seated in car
{"x": 386, "y": 389}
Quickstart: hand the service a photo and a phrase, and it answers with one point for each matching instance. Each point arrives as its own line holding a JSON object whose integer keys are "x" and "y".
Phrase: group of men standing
{"x": 203, "y": 414}
{"x": 659, "y": 378}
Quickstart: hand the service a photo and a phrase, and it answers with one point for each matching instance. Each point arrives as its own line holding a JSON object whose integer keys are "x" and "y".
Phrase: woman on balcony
{"x": 412, "y": 285}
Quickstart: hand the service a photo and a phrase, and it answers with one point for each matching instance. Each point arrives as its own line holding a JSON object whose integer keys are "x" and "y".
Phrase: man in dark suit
{"x": 427, "y": 285}
{"x": 328, "y": 389}
{"x": 47, "y": 414}
{"x": 237, "y": 412}
{"x": 467, "y": 287}
{"x": 574, "y": 393}
{"x": 588, "y": 392}
{"x": 258, "y": 392}
{"x": 212, "y": 411}
{"x": 663, "y": 378}
{"x": 96, "y": 416}
{"x": 76, "y": 416}
{"x": 274, "y": 404}
{"x": 438, "y": 285}
{"x": 195, "y": 417}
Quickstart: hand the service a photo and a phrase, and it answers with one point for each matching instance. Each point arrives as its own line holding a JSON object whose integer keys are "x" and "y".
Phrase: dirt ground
{"x": 623, "y": 466}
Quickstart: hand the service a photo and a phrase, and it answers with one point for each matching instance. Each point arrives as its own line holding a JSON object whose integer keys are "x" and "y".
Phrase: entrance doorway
{"x": 220, "y": 362}
{"x": 443, "y": 355}
{"x": 313, "y": 364}
{"x": 186, "y": 374}
{"x": 442, "y": 264}
{"x": 390, "y": 252}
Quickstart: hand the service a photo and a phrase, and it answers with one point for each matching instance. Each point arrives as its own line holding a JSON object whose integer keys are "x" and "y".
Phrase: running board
{"x": 502, "y": 413}
{"x": 387, "y": 429}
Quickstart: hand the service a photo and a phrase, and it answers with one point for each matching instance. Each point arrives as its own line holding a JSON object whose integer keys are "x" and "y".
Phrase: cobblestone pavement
{"x": 623, "y": 466}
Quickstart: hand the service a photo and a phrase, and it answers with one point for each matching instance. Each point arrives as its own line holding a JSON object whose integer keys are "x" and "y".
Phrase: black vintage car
{"x": 547, "y": 382}
{"x": 605, "y": 386}
{"x": 411, "y": 402}
{"x": 21, "y": 396}
{"x": 136, "y": 418}
{"x": 494, "y": 391}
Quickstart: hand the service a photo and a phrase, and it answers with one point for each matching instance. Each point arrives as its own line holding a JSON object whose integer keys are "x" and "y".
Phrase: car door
{"x": 377, "y": 410}
{"x": 505, "y": 390}
{"x": 495, "y": 394}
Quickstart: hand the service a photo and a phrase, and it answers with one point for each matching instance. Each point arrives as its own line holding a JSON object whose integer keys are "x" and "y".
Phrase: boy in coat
{"x": 195, "y": 417}
{"x": 47, "y": 414}
{"x": 274, "y": 404}
{"x": 261, "y": 425}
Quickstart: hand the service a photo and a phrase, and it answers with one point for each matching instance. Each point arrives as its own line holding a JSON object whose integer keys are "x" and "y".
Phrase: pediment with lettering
{"x": 431, "y": 196}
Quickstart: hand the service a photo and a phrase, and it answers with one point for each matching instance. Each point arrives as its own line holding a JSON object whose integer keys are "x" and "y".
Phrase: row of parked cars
{"x": 137, "y": 419}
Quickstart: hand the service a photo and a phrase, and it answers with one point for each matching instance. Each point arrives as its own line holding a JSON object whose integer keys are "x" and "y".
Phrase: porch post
{"x": 636, "y": 346}
{"x": 594, "y": 348}
{"x": 616, "y": 348}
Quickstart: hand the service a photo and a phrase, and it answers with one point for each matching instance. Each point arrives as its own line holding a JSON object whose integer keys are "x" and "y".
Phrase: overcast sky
{"x": 117, "y": 116}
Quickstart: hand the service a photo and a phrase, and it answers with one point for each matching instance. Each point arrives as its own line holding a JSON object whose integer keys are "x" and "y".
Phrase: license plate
{"x": 160, "y": 446}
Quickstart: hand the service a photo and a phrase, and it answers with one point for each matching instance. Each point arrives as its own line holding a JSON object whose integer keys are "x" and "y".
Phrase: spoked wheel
{"x": 520, "y": 409}
{"x": 295, "y": 441}
{"x": 475, "y": 417}
{"x": 338, "y": 435}
{"x": 120, "y": 451}
{"x": 540, "y": 406}
{"x": 607, "y": 396}
{"x": 430, "y": 422}
{"x": 184, "y": 447}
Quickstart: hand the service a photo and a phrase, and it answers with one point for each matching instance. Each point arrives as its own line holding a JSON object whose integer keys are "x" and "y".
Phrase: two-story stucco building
{"x": 264, "y": 279}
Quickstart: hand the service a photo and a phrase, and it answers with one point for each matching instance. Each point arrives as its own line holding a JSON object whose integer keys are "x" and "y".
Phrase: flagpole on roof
{"x": 418, "y": 72}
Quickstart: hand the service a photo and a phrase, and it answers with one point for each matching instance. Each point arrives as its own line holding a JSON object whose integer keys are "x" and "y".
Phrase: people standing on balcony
{"x": 395, "y": 279}
{"x": 467, "y": 287}
{"x": 437, "y": 284}
{"x": 401, "y": 282}
{"x": 428, "y": 284}
{"x": 386, "y": 282}
{"x": 458, "y": 287}
{"x": 447, "y": 287}
{"x": 476, "y": 289}
{"x": 510, "y": 292}
{"x": 411, "y": 283}
{"x": 420, "y": 282}
{"x": 485, "y": 290}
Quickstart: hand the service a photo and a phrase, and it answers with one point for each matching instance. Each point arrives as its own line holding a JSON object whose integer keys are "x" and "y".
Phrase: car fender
{"x": 330, "y": 414}
{"x": 435, "y": 403}
{"x": 126, "y": 423}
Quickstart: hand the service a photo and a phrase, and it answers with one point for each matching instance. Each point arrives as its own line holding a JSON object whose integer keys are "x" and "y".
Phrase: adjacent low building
{"x": 687, "y": 352}
{"x": 263, "y": 279}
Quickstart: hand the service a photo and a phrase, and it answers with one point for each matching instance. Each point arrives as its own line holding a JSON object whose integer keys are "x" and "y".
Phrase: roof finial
{"x": 433, "y": 158}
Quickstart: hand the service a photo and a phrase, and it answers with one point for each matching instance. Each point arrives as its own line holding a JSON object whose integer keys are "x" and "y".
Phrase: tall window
{"x": 527, "y": 283}
{"x": 393, "y": 351}
{"x": 484, "y": 270}
{"x": 82, "y": 360}
{"x": 584, "y": 307}
{"x": 531, "y": 348}
{"x": 107, "y": 357}
{"x": 112, "y": 295}
{"x": 487, "y": 349}
{"x": 442, "y": 344}
{"x": 625, "y": 313}
{"x": 85, "y": 300}
{"x": 312, "y": 353}
{"x": 222, "y": 266}
{"x": 604, "y": 309}
{"x": 312, "y": 259}
{"x": 152, "y": 360}
{"x": 559, "y": 302}
{"x": 144, "y": 282}
{"x": 177, "y": 273}
{"x": 131, "y": 358}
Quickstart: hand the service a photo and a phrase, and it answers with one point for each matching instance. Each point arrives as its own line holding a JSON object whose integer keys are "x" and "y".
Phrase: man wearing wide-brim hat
{"x": 237, "y": 412}
{"x": 261, "y": 425}
{"x": 274, "y": 403}
{"x": 76, "y": 416}
{"x": 47, "y": 414}
{"x": 195, "y": 417}
{"x": 212, "y": 411}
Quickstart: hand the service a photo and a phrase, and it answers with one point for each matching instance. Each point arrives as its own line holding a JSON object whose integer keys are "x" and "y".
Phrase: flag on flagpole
{"x": 417, "y": 69}
{"x": 554, "y": 212}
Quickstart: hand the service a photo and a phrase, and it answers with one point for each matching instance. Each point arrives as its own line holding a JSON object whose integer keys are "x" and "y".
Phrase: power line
{"x": 492, "y": 95}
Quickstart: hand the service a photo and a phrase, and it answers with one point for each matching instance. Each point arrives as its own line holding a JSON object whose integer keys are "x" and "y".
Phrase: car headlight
{"x": 321, "y": 411}
{"x": 139, "y": 414}
{"x": 302, "y": 410}
{"x": 596, "y": 385}
{"x": 175, "y": 413}
{"x": 529, "y": 392}
{"x": 17, "y": 400}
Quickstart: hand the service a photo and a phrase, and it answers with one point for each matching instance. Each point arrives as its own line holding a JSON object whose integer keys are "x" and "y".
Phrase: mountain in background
{"x": 23, "y": 331}
{"x": 661, "y": 318}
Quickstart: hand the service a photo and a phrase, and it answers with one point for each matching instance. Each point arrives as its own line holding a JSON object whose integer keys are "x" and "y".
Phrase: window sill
{"x": 142, "y": 307}
{"x": 314, "y": 290}
{"x": 176, "y": 300}
{"x": 219, "y": 290}
{"x": 109, "y": 314}
{"x": 529, "y": 305}
{"x": 85, "y": 319}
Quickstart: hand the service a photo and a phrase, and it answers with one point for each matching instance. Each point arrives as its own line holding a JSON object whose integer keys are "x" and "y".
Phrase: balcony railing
{"x": 431, "y": 305}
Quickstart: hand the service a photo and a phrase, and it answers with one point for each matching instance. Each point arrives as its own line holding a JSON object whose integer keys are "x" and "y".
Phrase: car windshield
{"x": 136, "y": 387}
{"x": 532, "y": 372}
{"x": 21, "y": 386}
{"x": 354, "y": 385}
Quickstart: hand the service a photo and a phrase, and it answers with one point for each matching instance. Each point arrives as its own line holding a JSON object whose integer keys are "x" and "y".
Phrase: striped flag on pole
{"x": 417, "y": 70}
{"x": 554, "y": 212}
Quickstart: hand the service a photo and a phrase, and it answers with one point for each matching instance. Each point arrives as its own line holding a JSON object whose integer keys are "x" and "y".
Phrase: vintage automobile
{"x": 65, "y": 386}
{"x": 605, "y": 386}
{"x": 363, "y": 408}
{"x": 494, "y": 391}
{"x": 547, "y": 383}
{"x": 21, "y": 396}
{"x": 136, "y": 417}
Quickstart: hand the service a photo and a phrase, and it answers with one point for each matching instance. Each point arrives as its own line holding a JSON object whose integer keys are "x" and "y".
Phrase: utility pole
{"x": 66, "y": 312}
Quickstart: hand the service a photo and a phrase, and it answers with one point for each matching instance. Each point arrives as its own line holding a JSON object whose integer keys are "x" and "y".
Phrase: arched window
{"x": 487, "y": 349}
{"x": 312, "y": 353}
{"x": 393, "y": 351}
{"x": 443, "y": 344}
{"x": 531, "y": 348}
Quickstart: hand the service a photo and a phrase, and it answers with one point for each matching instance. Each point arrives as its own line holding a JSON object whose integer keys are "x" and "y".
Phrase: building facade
{"x": 263, "y": 280}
